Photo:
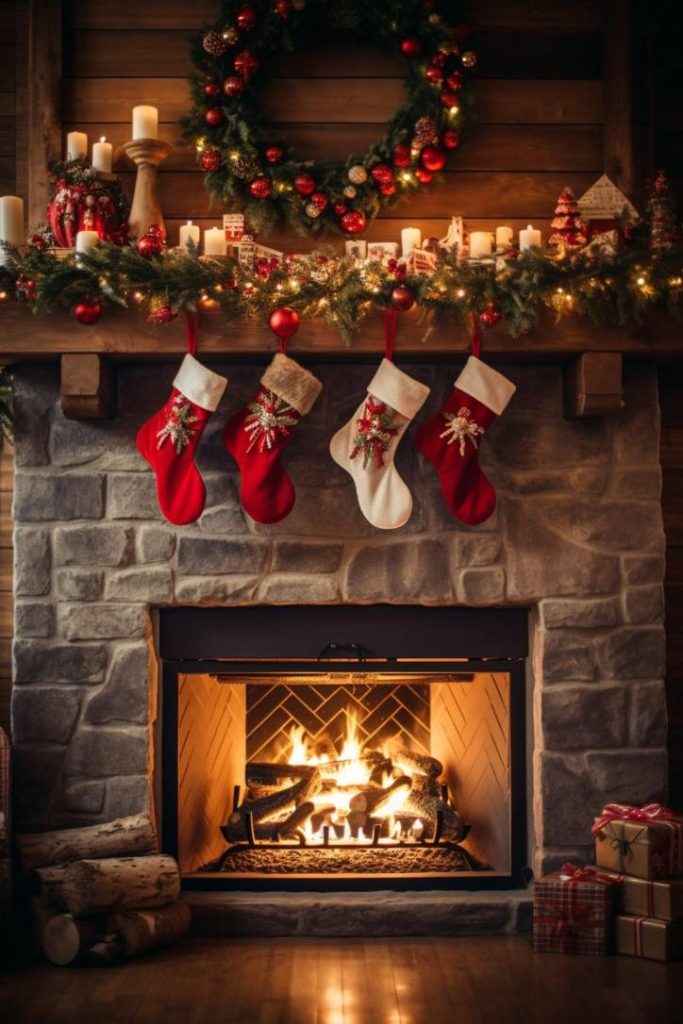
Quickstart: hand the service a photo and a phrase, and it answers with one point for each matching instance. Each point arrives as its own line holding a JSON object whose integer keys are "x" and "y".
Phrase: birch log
{"x": 137, "y": 931}
{"x": 49, "y": 882}
{"x": 93, "y": 886}
{"x": 124, "y": 836}
{"x": 66, "y": 938}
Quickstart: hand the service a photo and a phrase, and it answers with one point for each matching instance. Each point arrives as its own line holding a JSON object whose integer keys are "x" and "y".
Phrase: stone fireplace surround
{"x": 577, "y": 538}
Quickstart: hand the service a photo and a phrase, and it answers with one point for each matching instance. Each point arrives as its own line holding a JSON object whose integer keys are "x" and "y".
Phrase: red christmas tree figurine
{"x": 569, "y": 231}
{"x": 661, "y": 215}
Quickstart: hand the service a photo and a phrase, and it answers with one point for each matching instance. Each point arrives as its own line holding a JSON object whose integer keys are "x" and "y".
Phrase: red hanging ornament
{"x": 304, "y": 184}
{"x": 449, "y": 99}
{"x": 161, "y": 313}
{"x": 432, "y": 159}
{"x": 233, "y": 86}
{"x": 423, "y": 176}
{"x": 88, "y": 312}
{"x": 274, "y": 154}
{"x": 246, "y": 64}
{"x": 213, "y": 116}
{"x": 411, "y": 47}
{"x": 260, "y": 188}
{"x": 283, "y": 8}
{"x": 433, "y": 73}
{"x": 152, "y": 243}
{"x": 284, "y": 322}
{"x": 214, "y": 44}
{"x": 402, "y": 156}
{"x": 320, "y": 200}
{"x": 490, "y": 316}
{"x": 353, "y": 222}
{"x": 212, "y": 89}
{"x": 450, "y": 139}
{"x": 246, "y": 18}
{"x": 210, "y": 160}
{"x": 402, "y": 299}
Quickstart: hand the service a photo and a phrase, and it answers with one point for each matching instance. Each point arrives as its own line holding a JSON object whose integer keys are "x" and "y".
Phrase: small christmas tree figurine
{"x": 661, "y": 217}
{"x": 569, "y": 231}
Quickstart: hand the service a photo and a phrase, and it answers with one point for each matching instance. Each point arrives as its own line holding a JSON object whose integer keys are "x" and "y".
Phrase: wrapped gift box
{"x": 643, "y": 841}
{"x": 649, "y": 938}
{"x": 574, "y": 911}
{"x": 649, "y": 898}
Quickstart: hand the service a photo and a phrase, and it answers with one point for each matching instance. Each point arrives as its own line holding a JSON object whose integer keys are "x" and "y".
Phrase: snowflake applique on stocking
{"x": 462, "y": 428}
{"x": 376, "y": 429}
{"x": 270, "y": 418}
{"x": 178, "y": 427}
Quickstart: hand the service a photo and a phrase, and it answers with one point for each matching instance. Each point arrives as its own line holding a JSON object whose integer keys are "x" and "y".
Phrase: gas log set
{"x": 323, "y": 810}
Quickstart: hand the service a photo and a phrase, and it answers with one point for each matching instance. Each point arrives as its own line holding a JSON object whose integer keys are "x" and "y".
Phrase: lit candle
{"x": 76, "y": 145}
{"x": 504, "y": 238}
{"x": 86, "y": 240}
{"x": 188, "y": 233}
{"x": 411, "y": 238}
{"x": 145, "y": 122}
{"x": 529, "y": 238}
{"x": 101, "y": 155}
{"x": 12, "y": 220}
{"x": 480, "y": 244}
{"x": 215, "y": 242}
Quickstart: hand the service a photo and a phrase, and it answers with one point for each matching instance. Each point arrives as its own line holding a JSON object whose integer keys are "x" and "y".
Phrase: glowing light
{"x": 640, "y": 281}
{"x": 460, "y": 294}
{"x": 3, "y": 296}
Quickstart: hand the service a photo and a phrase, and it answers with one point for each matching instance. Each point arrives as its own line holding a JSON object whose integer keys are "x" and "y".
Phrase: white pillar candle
{"x": 145, "y": 122}
{"x": 529, "y": 238}
{"x": 101, "y": 155}
{"x": 411, "y": 238}
{"x": 76, "y": 145}
{"x": 188, "y": 233}
{"x": 86, "y": 240}
{"x": 12, "y": 220}
{"x": 504, "y": 237}
{"x": 480, "y": 244}
{"x": 215, "y": 242}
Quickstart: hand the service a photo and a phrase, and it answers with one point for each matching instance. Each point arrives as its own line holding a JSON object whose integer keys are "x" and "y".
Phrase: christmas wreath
{"x": 248, "y": 169}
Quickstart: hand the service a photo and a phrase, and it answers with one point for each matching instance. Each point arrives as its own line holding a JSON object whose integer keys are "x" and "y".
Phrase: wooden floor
{"x": 351, "y": 981}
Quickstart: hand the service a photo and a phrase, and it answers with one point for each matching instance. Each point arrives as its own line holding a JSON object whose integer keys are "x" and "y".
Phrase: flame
{"x": 356, "y": 772}
{"x": 299, "y": 752}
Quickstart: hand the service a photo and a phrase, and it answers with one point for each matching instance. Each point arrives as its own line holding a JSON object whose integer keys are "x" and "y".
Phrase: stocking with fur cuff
{"x": 257, "y": 436}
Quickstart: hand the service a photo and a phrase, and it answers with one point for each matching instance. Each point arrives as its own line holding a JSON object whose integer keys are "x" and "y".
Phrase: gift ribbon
{"x": 619, "y": 842}
{"x": 476, "y": 335}
{"x": 577, "y": 874}
{"x": 569, "y": 923}
{"x": 638, "y": 935}
{"x": 192, "y": 321}
{"x": 628, "y": 812}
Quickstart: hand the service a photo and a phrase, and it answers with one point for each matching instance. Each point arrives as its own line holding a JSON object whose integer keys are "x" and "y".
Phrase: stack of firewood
{"x": 104, "y": 893}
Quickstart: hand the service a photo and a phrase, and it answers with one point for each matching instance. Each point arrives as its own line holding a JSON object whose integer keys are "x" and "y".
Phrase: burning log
{"x": 373, "y": 801}
{"x": 427, "y": 807}
{"x": 297, "y": 818}
{"x": 411, "y": 763}
{"x": 319, "y": 818}
{"x": 264, "y": 774}
{"x": 93, "y": 886}
{"x": 372, "y": 761}
{"x": 268, "y": 807}
{"x": 124, "y": 836}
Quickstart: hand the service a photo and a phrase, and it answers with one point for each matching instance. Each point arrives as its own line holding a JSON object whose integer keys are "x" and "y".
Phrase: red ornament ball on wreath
{"x": 454, "y": 81}
{"x": 411, "y": 47}
{"x": 449, "y": 99}
{"x": 274, "y": 154}
{"x": 260, "y": 188}
{"x": 423, "y": 176}
{"x": 88, "y": 312}
{"x": 432, "y": 159}
{"x": 382, "y": 173}
{"x": 161, "y": 313}
{"x": 320, "y": 200}
{"x": 433, "y": 73}
{"x": 353, "y": 222}
{"x": 210, "y": 160}
{"x": 283, "y": 8}
{"x": 490, "y": 316}
{"x": 402, "y": 299}
{"x": 233, "y": 86}
{"x": 213, "y": 117}
{"x": 284, "y": 322}
{"x": 388, "y": 188}
{"x": 214, "y": 44}
{"x": 151, "y": 244}
{"x": 304, "y": 184}
{"x": 450, "y": 139}
{"x": 246, "y": 18}
{"x": 340, "y": 209}
{"x": 246, "y": 64}
{"x": 402, "y": 156}
{"x": 25, "y": 288}
{"x": 212, "y": 89}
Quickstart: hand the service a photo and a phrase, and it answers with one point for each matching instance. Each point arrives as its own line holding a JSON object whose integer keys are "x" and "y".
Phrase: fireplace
{"x": 344, "y": 746}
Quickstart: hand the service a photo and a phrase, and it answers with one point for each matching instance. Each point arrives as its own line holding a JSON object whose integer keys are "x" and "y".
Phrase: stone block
{"x": 629, "y": 776}
{"x": 106, "y": 544}
{"x": 58, "y": 662}
{"x": 100, "y": 621}
{"x": 211, "y": 556}
{"x": 568, "y": 799}
{"x": 33, "y": 618}
{"x": 482, "y": 586}
{"x": 329, "y": 513}
{"x": 642, "y": 569}
{"x": 79, "y": 584}
{"x": 94, "y": 753}
{"x": 35, "y": 392}
{"x": 609, "y": 526}
{"x": 216, "y": 590}
{"x": 229, "y": 520}
{"x": 79, "y": 442}
{"x": 560, "y": 613}
{"x": 39, "y": 497}
{"x": 132, "y": 496}
{"x": 588, "y": 480}
{"x": 125, "y": 697}
{"x": 577, "y": 717}
{"x": 634, "y": 482}
{"x": 84, "y": 797}
{"x": 301, "y": 590}
{"x": 525, "y": 441}
{"x": 31, "y": 562}
{"x": 37, "y": 770}
{"x": 126, "y": 794}
{"x": 637, "y": 433}
{"x": 475, "y": 549}
{"x": 644, "y": 604}
{"x": 151, "y": 585}
{"x": 44, "y": 713}
{"x": 293, "y": 556}
{"x": 404, "y": 571}
{"x": 633, "y": 653}
{"x": 155, "y": 544}
{"x": 648, "y": 717}
{"x": 568, "y": 655}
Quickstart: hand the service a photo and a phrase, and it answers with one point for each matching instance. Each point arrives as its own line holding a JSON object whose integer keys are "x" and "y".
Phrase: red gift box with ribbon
{"x": 574, "y": 911}
{"x": 646, "y": 842}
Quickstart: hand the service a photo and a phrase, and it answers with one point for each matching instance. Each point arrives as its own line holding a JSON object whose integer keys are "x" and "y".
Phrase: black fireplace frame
{"x": 299, "y": 639}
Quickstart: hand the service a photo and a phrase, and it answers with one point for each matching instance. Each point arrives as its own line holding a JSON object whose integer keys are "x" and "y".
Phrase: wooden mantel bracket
{"x": 87, "y": 387}
{"x": 593, "y": 385}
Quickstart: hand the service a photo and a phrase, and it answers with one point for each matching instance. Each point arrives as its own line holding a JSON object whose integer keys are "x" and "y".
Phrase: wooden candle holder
{"x": 145, "y": 211}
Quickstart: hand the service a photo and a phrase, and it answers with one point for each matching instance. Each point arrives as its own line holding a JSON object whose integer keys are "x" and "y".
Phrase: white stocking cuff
{"x": 485, "y": 384}
{"x": 203, "y": 387}
{"x": 291, "y": 382}
{"x": 397, "y": 390}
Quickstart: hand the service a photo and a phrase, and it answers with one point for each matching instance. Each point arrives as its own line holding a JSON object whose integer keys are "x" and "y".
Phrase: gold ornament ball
{"x": 312, "y": 210}
{"x": 469, "y": 59}
{"x": 230, "y": 35}
{"x": 350, "y": 192}
{"x": 358, "y": 174}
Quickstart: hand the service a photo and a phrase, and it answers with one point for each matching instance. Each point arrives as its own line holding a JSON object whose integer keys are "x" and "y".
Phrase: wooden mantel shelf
{"x": 126, "y": 336}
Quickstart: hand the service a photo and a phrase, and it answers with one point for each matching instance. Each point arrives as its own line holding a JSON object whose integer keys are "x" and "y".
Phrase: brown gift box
{"x": 646, "y": 898}
{"x": 646, "y": 937}
{"x": 646, "y": 849}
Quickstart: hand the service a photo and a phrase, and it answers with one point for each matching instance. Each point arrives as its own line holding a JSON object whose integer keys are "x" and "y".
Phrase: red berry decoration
{"x": 88, "y": 312}
{"x": 246, "y": 64}
{"x": 439, "y": 59}
{"x": 320, "y": 200}
{"x": 402, "y": 299}
{"x": 283, "y": 8}
{"x": 402, "y": 156}
{"x": 210, "y": 160}
{"x": 260, "y": 188}
{"x": 284, "y": 322}
{"x": 382, "y": 173}
{"x": 274, "y": 154}
{"x": 233, "y": 86}
{"x": 212, "y": 89}
{"x": 246, "y": 18}
{"x": 450, "y": 139}
{"x": 423, "y": 176}
{"x": 388, "y": 188}
{"x": 214, "y": 44}
{"x": 340, "y": 209}
{"x": 490, "y": 316}
{"x": 433, "y": 73}
{"x": 213, "y": 117}
{"x": 454, "y": 81}
{"x": 411, "y": 47}
{"x": 353, "y": 222}
{"x": 432, "y": 159}
{"x": 304, "y": 184}
{"x": 161, "y": 314}
{"x": 449, "y": 99}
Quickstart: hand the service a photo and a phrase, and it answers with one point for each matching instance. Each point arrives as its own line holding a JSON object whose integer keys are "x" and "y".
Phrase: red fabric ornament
{"x": 432, "y": 159}
{"x": 402, "y": 299}
{"x": 353, "y": 222}
{"x": 423, "y": 176}
{"x": 382, "y": 173}
{"x": 260, "y": 188}
{"x": 283, "y": 8}
{"x": 210, "y": 160}
{"x": 490, "y": 316}
{"x": 411, "y": 47}
{"x": 151, "y": 244}
{"x": 213, "y": 116}
{"x": 320, "y": 200}
{"x": 304, "y": 184}
{"x": 450, "y": 139}
{"x": 88, "y": 312}
{"x": 449, "y": 99}
{"x": 433, "y": 73}
{"x": 246, "y": 64}
{"x": 246, "y": 18}
{"x": 212, "y": 89}
{"x": 454, "y": 80}
{"x": 214, "y": 44}
{"x": 233, "y": 86}
{"x": 274, "y": 154}
{"x": 162, "y": 314}
{"x": 284, "y": 322}
{"x": 402, "y": 156}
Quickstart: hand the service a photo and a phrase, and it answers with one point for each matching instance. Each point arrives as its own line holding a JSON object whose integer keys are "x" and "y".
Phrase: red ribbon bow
{"x": 577, "y": 874}
{"x": 628, "y": 812}
{"x": 567, "y": 922}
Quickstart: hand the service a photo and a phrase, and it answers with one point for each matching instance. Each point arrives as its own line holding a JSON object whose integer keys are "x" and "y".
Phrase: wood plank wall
{"x": 8, "y": 89}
